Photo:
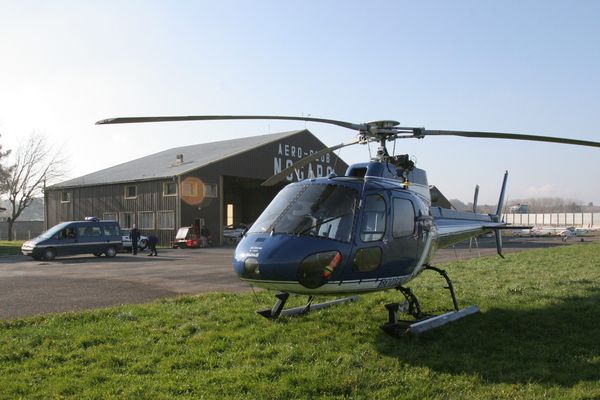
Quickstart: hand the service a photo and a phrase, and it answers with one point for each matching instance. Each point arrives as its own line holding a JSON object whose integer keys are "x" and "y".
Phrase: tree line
{"x": 25, "y": 173}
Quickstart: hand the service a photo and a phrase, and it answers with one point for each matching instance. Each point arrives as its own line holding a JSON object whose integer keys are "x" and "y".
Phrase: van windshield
{"x": 53, "y": 231}
{"x": 314, "y": 210}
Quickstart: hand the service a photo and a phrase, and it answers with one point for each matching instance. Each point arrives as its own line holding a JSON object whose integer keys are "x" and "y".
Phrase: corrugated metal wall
{"x": 100, "y": 200}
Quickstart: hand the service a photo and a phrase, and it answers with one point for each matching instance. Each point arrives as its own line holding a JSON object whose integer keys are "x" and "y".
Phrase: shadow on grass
{"x": 557, "y": 345}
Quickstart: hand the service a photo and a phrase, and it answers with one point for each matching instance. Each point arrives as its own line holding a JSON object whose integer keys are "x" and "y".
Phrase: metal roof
{"x": 164, "y": 164}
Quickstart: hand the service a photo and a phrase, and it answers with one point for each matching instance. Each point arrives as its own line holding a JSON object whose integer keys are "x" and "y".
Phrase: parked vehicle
{"x": 76, "y": 237}
{"x": 186, "y": 238}
{"x": 233, "y": 233}
{"x": 126, "y": 236}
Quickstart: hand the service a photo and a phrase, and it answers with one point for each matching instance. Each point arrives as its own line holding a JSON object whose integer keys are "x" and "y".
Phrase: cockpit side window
{"x": 404, "y": 218}
{"x": 373, "y": 220}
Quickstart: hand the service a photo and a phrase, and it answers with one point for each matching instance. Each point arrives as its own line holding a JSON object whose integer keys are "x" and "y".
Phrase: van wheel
{"x": 97, "y": 254}
{"x": 143, "y": 244}
{"x": 49, "y": 254}
{"x": 111, "y": 251}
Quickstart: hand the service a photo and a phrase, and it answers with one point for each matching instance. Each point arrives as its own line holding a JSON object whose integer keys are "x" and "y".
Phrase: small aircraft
{"x": 544, "y": 231}
{"x": 577, "y": 232}
{"x": 375, "y": 228}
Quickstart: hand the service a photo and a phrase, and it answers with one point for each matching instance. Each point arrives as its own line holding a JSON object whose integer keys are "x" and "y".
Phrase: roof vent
{"x": 179, "y": 158}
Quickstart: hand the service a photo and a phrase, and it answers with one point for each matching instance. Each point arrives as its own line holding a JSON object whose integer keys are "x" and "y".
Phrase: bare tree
{"x": 4, "y": 171}
{"x": 36, "y": 163}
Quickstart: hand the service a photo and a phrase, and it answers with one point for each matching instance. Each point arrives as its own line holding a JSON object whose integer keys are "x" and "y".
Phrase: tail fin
{"x": 501, "y": 199}
{"x": 498, "y": 216}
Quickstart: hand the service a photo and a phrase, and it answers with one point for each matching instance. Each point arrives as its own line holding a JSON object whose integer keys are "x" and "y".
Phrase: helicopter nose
{"x": 247, "y": 267}
{"x": 251, "y": 267}
{"x": 315, "y": 270}
{"x": 287, "y": 259}
{"x": 312, "y": 272}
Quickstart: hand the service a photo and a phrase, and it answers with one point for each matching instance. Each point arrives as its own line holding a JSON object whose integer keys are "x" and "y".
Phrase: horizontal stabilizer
{"x": 506, "y": 227}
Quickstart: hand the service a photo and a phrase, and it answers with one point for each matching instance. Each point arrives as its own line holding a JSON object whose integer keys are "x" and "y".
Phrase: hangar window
{"x": 109, "y": 216}
{"x": 65, "y": 196}
{"x": 189, "y": 188}
{"x": 211, "y": 190}
{"x": 166, "y": 219}
{"x": 169, "y": 189}
{"x": 146, "y": 220}
{"x": 126, "y": 219}
{"x": 130, "y": 192}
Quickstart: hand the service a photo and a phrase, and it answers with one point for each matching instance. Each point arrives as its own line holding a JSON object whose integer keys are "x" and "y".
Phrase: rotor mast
{"x": 381, "y": 131}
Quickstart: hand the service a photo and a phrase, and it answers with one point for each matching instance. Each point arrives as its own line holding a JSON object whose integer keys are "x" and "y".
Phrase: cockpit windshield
{"x": 315, "y": 210}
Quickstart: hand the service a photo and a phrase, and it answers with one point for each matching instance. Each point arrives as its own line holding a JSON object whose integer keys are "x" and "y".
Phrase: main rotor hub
{"x": 383, "y": 124}
{"x": 380, "y": 131}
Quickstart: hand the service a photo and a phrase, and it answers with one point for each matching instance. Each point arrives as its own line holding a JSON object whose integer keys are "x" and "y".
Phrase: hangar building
{"x": 213, "y": 184}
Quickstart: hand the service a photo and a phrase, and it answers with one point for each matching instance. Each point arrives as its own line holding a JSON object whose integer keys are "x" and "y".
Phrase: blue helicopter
{"x": 375, "y": 228}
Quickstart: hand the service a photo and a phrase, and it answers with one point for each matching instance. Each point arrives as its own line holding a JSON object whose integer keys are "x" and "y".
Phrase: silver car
{"x": 142, "y": 243}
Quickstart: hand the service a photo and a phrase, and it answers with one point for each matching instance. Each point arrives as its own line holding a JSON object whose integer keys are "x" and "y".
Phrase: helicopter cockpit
{"x": 319, "y": 210}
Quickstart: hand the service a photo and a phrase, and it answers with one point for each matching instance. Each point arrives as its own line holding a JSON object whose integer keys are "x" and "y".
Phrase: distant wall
{"x": 23, "y": 230}
{"x": 583, "y": 220}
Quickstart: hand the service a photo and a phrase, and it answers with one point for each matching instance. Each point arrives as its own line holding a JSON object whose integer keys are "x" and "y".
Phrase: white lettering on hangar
{"x": 288, "y": 154}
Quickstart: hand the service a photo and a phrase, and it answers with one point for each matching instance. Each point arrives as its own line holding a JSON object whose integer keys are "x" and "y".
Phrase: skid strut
{"x": 422, "y": 322}
{"x": 277, "y": 310}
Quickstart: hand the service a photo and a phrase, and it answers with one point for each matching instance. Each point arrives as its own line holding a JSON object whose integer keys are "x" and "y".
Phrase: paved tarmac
{"x": 30, "y": 287}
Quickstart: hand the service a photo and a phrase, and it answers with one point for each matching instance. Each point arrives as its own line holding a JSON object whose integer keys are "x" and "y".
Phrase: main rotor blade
{"x": 129, "y": 120}
{"x": 513, "y": 136}
{"x": 302, "y": 162}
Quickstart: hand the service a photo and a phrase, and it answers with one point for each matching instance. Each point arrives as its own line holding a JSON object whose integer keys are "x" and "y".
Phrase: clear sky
{"x": 512, "y": 66}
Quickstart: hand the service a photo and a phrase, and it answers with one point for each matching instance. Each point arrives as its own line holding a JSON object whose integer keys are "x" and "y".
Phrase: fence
{"x": 583, "y": 220}
{"x": 22, "y": 230}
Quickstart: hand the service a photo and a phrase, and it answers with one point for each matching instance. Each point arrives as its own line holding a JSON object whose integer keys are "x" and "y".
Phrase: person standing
{"x": 152, "y": 242}
{"x": 204, "y": 233}
{"x": 135, "y": 237}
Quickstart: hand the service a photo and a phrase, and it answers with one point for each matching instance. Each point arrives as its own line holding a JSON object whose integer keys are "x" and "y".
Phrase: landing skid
{"x": 277, "y": 310}
{"x": 422, "y": 322}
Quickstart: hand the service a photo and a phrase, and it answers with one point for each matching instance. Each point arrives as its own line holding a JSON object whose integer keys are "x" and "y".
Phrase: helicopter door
{"x": 404, "y": 243}
{"x": 368, "y": 258}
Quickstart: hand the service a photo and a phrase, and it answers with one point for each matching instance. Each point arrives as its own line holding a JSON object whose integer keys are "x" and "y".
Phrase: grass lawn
{"x": 7, "y": 248}
{"x": 538, "y": 336}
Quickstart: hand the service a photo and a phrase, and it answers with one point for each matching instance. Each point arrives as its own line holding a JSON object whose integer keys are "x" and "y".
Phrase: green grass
{"x": 8, "y": 248}
{"x": 538, "y": 336}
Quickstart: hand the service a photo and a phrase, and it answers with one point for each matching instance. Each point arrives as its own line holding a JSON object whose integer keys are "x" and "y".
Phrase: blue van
{"x": 76, "y": 237}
